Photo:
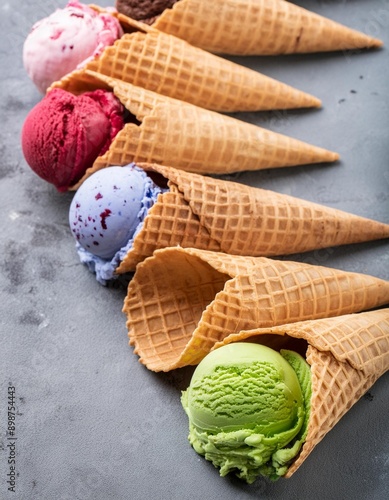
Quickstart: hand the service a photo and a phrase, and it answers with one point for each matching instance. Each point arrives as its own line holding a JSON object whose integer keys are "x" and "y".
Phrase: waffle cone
{"x": 347, "y": 354}
{"x": 181, "y": 302}
{"x": 191, "y": 138}
{"x": 214, "y": 214}
{"x": 170, "y": 66}
{"x": 258, "y": 27}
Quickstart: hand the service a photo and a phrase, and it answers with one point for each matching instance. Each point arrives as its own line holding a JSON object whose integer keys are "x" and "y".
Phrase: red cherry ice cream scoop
{"x": 64, "y": 134}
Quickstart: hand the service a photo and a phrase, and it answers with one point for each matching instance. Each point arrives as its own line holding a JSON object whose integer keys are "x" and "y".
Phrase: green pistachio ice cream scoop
{"x": 248, "y": 408}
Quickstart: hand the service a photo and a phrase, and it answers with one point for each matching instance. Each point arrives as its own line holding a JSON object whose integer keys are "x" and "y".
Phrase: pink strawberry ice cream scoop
{"x": 64, "y": 133}
{"x": 65, "y": 41}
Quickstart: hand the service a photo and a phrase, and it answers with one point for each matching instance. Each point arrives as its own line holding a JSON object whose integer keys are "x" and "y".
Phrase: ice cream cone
{"x": 214, "y": 214}
{"x": 170, "y": 66}
{"x": 191, "y": 138}
{"x": 258, "y": 27}
{"x": 347, "y": 354}
{"x": 181, "y": 302}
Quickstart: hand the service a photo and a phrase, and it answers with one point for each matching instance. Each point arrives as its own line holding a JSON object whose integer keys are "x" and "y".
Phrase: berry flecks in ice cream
{"x": 107, "y": 212}
{"x": 103, "y": 216}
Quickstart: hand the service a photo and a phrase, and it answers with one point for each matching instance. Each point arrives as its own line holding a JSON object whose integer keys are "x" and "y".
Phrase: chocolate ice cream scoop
{"x": 144, "y": 10}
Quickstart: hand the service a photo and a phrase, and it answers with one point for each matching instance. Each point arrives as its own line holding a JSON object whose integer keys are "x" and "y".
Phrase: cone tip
{"x": 316, "y": 102}
{"x": 331, "y": 156}
{"x": 364, "y": 41}
{"x": 376, "y": 43}
{"x": 335, "y": 156}
{"x": 306, "y": 101}
{"x": 325, "y": 156}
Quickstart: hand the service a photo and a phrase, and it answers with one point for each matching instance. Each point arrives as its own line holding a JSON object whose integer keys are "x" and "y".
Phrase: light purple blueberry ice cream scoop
{"x": 106, "y": 213}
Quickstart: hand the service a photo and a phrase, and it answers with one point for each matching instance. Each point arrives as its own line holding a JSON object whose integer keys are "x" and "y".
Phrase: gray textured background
{"x": 92, "y": 423}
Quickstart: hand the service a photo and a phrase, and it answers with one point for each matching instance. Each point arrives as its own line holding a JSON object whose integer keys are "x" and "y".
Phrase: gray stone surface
{"x": 92, "y": 423}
